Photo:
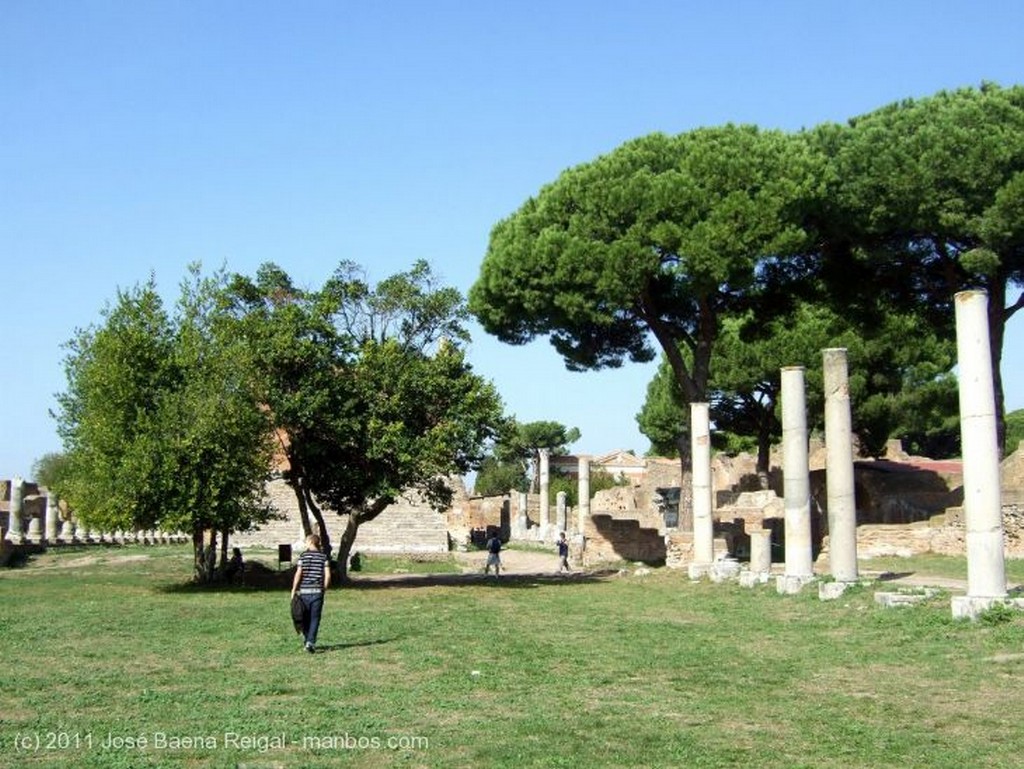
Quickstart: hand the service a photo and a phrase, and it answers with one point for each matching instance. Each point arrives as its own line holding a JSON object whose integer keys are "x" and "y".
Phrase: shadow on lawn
{"x": 259, "y": 578}
{"x": 353, "y": 645}
{"x": 515, "y": 581}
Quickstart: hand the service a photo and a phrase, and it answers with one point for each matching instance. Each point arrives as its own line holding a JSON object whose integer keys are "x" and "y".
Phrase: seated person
{"x": 235, "y": 567}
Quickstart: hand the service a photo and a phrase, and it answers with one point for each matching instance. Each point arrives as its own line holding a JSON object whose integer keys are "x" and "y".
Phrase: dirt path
{"x": 512, "y": 561}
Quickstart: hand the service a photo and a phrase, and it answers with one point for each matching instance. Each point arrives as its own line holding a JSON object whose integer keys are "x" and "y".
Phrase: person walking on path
{"x": 563, "y": 553}
{"x": 493, "y": 557}
{"x": 312, "y": 578}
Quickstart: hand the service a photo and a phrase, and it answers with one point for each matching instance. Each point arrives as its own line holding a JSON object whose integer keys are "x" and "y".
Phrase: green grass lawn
{"x": 596, "y": 671}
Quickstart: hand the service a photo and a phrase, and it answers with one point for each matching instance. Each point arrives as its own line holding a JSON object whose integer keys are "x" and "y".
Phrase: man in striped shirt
{"x": 312, "y": 578}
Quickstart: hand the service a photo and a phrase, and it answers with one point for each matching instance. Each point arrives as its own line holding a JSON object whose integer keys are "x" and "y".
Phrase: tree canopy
{"x": 661, "y": 239}
{"x": 924, "y": 198}
{"x": 681, "y": 240}
{"x": 160, "y": 421}
{"x": 369, "y": 388}
{"x": 507, "y": 468}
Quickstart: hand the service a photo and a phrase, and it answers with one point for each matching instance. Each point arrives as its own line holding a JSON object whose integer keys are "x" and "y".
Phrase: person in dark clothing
{"x": 493, "y": 557}
{"x": 563, "y": 553}
{"x": 312, "y": 578}
{"x": 236, "y": 566}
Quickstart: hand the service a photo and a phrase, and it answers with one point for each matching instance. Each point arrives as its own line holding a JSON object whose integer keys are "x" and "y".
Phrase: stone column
{"x": 35, "y": 530}
{"x": 67, "y": 531}
{"x": 545, "y": 484}
{"x": 584, "y": 493}
{"x": 986, "y": 566}
{"x": 761, "y": 551}
{"x": 796, "y": 481}
{"x": 703, "y": 527}
{"x": 522, "y": 521}
{"x": 759, "y": 569}
{"x": 14, "y": 525}
{"x": 560, "y": 513}
{"x": 52, "y": 517}
{"x": 842, "y": 507}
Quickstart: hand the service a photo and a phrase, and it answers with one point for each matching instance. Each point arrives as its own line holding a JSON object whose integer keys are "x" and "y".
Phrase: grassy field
{"x": 109, "y": 659}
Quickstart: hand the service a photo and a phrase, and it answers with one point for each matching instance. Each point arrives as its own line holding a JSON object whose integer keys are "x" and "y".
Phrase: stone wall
{"x": 612, "y": 538}
{"x": 408, "y": 526}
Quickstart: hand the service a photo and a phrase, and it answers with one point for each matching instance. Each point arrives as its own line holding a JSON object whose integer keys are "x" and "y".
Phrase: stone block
{"x": 698, "y": 571}
{"x": 722, "y": 571}
{"x": 754, "y": 578}
{"x": 786, "y": 584}
{"x": 970, "y": 607}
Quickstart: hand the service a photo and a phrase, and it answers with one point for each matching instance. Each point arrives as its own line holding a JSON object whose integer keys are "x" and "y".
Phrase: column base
{"x": 830, "y": 591}
{"x": 787, "y": 584}
{"x": 754, "y": 578}
{"x": 698, "y": 571}
{"x": 723, "y": 571}
{"x": 972, "y": 607}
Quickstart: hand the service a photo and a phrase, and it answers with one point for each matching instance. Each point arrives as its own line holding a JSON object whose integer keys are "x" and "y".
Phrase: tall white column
{"x": 14, "y": 525}
{"x": 522, "y": 521}
{"x": 584, "y": 493}
{"x": 842, "y": 506}
{"x": 795, "y": 474}
{"x": 545, "y": 485}
{"x": 986, "y": 567}
{"x": 700, "y": 449}
{"x": 52, "y": 518}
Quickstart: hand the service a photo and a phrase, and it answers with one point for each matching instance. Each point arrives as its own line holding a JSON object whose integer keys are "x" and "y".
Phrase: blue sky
{"x": 137, "y": 137}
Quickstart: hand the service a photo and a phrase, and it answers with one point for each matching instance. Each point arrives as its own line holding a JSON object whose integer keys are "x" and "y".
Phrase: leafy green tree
{"x": 553, "y": 436}
{"x": 50, "y": 470}
{"x": 662, "y": 418}
{"x": 160, "y": 422}
{"x": 900, "y": 385}
{"x": 1014, "y": 429}
{"x": 301, "y": 357}
{"x": 599, "y": 481}
{"x": 369, "y": 388}
{"x": 495, "y": 477}
{"x": 664, "y": 238}
{"x": 924, "y": 198}
{"x": 517, "y": 445}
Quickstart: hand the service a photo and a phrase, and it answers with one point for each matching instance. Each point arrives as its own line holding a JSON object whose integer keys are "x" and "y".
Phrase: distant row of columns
{"x": 50, "y": 529}
{"x": 548, "y": 529}
{"x": 799, "y": 562}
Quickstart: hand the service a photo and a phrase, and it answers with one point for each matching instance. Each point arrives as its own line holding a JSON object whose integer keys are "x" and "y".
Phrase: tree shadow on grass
{"x": 507, "y": 581}
{"x": 263, "y": 579}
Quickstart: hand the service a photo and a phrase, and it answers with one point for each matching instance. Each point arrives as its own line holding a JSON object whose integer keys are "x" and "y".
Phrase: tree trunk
{"x": 200, "y": 557}
{"x": 224, "y": 548}
{"x": 325, "y": 537}
{"x": 764, "y": 449}
{"x": 348, "y": 538}
{"x": 296, "y": 483}
{"x": 996, "y": 332}
{"x": 686, "y": 482}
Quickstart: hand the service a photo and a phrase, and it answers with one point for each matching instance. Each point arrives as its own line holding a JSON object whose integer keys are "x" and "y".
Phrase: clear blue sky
{"x": 137, "y": 137}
